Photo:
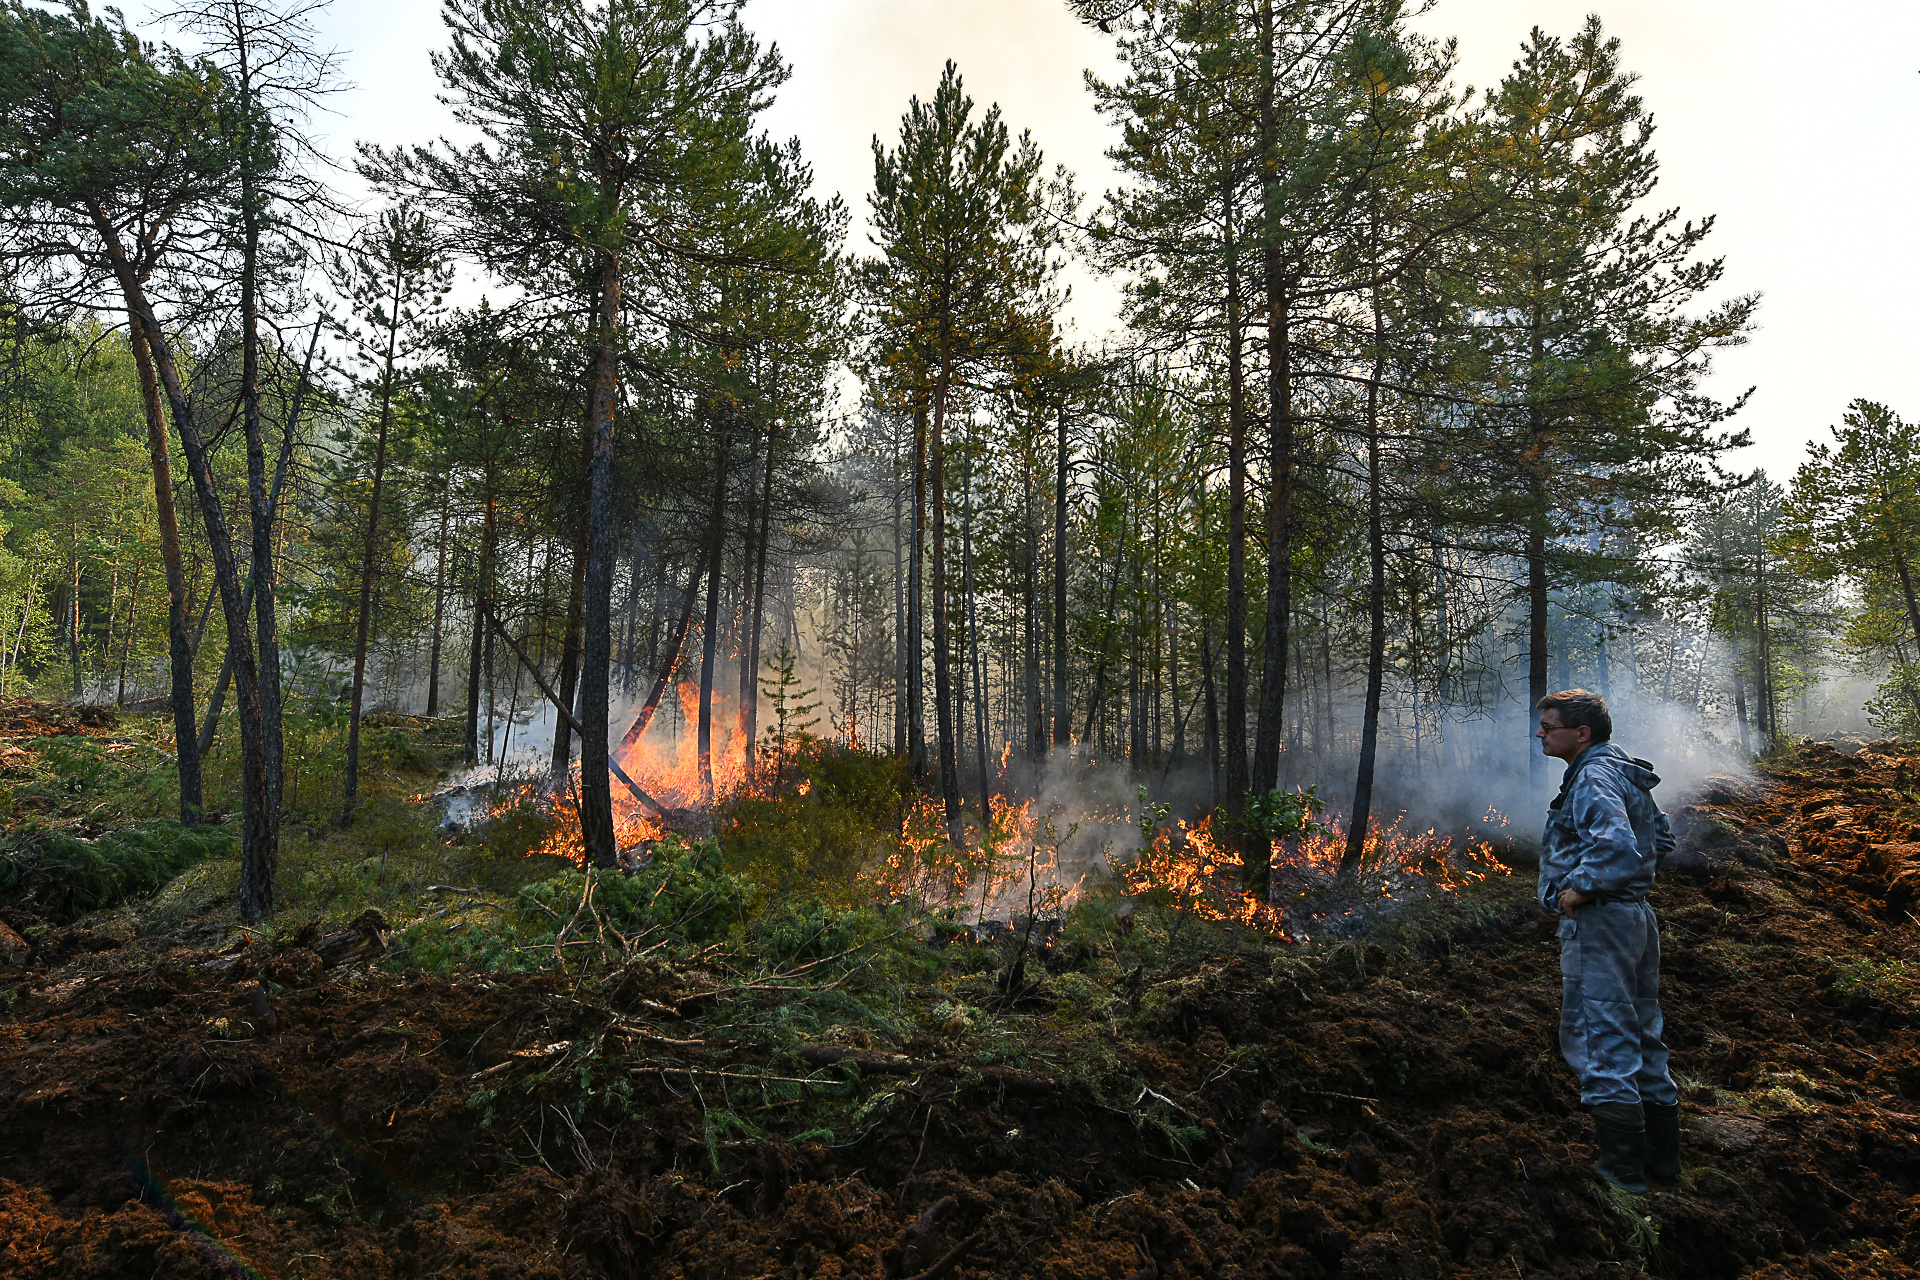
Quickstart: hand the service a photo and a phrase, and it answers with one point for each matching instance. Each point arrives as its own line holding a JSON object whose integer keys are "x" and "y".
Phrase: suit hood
{"x": 1637, "y": 771}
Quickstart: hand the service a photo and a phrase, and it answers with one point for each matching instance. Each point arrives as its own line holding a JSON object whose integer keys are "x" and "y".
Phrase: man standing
{"x": 1605, "y": 836}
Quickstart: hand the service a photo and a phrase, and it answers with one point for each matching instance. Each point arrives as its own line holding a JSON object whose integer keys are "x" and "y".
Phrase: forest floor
{"x": 173, "y": 1106}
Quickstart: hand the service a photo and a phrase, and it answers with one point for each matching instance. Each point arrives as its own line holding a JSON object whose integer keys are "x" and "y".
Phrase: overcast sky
{"x": 1796, "y": 126}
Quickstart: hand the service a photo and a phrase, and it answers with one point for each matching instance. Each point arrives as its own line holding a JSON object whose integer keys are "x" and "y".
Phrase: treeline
{"x": 1408, "y": 422}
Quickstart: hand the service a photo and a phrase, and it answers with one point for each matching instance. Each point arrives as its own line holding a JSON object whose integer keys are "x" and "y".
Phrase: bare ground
{"x": 1355, "y": 1112}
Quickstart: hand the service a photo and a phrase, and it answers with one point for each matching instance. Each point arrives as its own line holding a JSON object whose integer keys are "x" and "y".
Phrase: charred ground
{"x": 173, "y": 1105}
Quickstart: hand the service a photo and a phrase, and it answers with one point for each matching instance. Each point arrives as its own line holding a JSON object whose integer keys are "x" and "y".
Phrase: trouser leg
{"x": 1600, "y": 1031}
{"x": 1654, "y": 1081}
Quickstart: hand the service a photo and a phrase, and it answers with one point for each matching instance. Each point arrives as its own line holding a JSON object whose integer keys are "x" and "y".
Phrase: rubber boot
{"x": 1663, "y": 1142}
{"x": 1622, "y": 1133}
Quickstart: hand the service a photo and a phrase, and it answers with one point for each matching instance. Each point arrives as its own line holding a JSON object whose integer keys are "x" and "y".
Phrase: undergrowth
{"x": 61, "y": 876}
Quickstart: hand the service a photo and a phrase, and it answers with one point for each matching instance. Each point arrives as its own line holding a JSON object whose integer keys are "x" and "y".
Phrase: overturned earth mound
{"x": 1346, "y": 1110}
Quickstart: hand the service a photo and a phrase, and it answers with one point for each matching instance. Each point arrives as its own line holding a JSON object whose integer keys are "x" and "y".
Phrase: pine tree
{"x": 393, "y": 278}
{"x": 1573, "y": 324}
{"x": 613, "y": 132}
{"x": 1853, "y": 509}
{"x": 961, "y": 283}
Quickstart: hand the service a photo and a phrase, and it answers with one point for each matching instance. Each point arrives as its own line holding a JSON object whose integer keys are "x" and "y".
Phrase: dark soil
{"x": 1354, "y": 1112}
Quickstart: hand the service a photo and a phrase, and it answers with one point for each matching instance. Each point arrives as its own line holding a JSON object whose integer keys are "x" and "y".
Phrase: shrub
{"x": 684, "y": 891}
{"x": 836, "y": 815}
{"x": 62, "y": 876}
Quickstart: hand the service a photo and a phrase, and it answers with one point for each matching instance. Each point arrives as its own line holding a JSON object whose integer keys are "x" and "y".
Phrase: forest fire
{"x": 667, "y": 769}
{"x": 1038, "y": 857}
{"x": 1192, "y": 870}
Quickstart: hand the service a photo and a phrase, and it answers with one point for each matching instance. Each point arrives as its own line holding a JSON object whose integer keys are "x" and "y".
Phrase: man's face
{"x": 1558, "y": 739}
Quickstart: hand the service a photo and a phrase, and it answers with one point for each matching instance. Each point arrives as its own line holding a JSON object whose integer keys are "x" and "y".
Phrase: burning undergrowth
{"x": 848, "y": 827}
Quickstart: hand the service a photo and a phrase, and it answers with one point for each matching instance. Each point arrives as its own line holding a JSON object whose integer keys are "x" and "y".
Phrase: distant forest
{"x": 600, "y": 408}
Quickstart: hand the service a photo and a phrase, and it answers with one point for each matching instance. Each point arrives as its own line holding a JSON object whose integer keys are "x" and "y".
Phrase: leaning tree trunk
{"x": 179, "y": 642}
{"x": 570, "y": 645}
{"x": 667, "y": 664}
{"x": 259, "y": 833}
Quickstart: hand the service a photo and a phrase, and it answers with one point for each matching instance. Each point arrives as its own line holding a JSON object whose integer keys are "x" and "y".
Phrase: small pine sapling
{"x": 793, "y": 718}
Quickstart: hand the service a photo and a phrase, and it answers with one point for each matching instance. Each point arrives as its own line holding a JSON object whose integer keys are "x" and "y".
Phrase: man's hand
{"x": 1571, "y": 898}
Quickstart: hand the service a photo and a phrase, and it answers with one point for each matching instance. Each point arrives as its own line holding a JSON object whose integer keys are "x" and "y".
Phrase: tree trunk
{"x": 1536, "y": 621}
{"x": 562, "y": 759}
{"x": 1905, "y": 574}
{"x": 217, "y": 701}
{"x": 1769, "y": 704}
{"x": 1034, "y": 715}
{"x": 1537, "y": 529}
{"x": 126, "y": 642}
{"x": 916, "y": 606}
{"x": 1255, "y": 870}
{"x": 1213, "y": 722}
{"x": 439, "y": 600}
{"x": 1062, "y": 727}
{"x": 480, "y": 653}
{"x": 179, "y": 642}
{"x": 899, "y": 618}
{"x": 260, "y": 509}
{"x": 973, "y": 651}
{"x": 749, "y": 544}
{"x": 1376, "y": 622}
{"x": 1094, "y": 708}
{"x": 1740, "y": 703}
{"x": 1271, "y": 723}
{"x": 942, "y": 659}
{"x": 363, "y": 617}
{"x": 750, "y": 688}
{"x": 596, "y": 788}
{"x": 1271, "y": 720}
{"x": 70, "y": 612}
{"x": 259, "y": 832}
{"x": 716, "y": 550}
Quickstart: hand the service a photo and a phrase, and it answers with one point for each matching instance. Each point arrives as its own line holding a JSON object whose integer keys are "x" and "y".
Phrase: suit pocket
{"x": 1569, "y": 927}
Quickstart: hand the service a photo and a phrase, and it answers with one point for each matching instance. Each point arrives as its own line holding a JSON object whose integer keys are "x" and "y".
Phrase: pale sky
{"x": 1797, "y": 126}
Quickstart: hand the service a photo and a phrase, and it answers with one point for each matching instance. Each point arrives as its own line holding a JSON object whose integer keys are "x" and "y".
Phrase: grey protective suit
{"x": 1605, "y": 837}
